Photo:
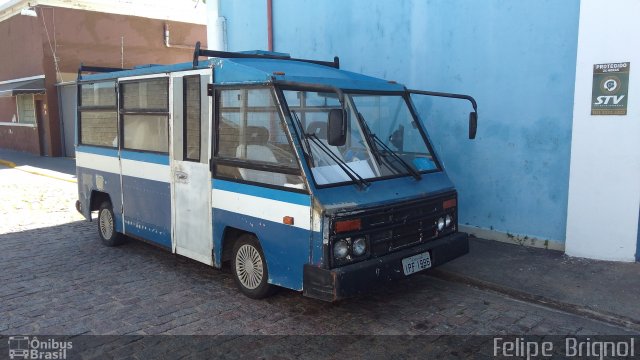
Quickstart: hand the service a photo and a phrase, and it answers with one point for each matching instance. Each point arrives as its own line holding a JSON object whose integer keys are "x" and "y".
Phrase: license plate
{"x": 416, "y": 263}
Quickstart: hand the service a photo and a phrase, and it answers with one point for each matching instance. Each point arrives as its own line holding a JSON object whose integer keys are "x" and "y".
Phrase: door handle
{"x": 181, "y": 176}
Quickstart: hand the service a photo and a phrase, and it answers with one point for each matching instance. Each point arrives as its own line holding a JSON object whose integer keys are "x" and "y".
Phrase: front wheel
{"x": 250, "y": 268}
{"x": 106, "y": 226}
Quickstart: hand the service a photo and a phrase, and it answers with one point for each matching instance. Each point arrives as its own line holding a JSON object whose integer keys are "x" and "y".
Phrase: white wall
{"x": 604, "y": 183}
{"x": 174, "y": 10}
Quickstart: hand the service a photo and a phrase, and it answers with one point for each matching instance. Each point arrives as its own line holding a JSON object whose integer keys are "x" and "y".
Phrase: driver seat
{"x": 257, "y": 149}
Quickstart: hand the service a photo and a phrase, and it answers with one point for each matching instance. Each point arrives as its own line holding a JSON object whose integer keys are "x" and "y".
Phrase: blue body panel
{"x": 285, "y": 247}
{"x": 383, "y": 191}
{"x": 162, "y": 159}
{"x": 252, "y": 70}
{"x": 638, "y": 242}
{"x": 152, "y": 69}
{"x": 98, "y": 150}
{"x": 147, "y": 203}
{"x": 263, "y": 192}
{"x": 147, "y": 209}
{"x": 87, "y": 184}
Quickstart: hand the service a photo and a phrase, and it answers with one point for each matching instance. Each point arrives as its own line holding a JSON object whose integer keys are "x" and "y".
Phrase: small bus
{"x": 291, "y": 172}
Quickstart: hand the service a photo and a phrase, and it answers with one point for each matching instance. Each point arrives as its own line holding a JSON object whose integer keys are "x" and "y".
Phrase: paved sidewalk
{"x": 58, "y": 167}
{"x": 604, "y": 290}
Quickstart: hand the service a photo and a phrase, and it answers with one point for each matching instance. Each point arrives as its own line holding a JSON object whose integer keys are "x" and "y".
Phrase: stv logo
{"x": 610, "y": 85}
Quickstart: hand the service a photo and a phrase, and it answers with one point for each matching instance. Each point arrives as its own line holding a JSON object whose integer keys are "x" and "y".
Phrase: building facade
{"x": 44, "y": 42}
{"x": 543, "y": 171}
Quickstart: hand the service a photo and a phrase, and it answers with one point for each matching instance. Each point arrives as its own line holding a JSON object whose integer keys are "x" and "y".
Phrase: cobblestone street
{"x": 57, "y": 278}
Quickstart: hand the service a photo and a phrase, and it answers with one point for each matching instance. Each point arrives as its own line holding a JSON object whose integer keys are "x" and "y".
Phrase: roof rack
{"x": 97, "y": 69}
{"x": 226, "y": 54}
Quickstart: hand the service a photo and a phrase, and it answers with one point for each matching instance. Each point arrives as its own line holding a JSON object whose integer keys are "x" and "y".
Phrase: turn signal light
{"x": 348, "y": 225}
{"x": 447, "y": 204}
{"x": 287, "y": 220}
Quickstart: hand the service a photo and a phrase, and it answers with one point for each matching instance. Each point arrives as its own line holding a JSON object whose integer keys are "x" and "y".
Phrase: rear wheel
{"x": 250, "y": 268}
{"x": 106, "y": 226}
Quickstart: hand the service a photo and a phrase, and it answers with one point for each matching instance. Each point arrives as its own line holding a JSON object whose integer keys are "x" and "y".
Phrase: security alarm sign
{"x": 610, "y": 89}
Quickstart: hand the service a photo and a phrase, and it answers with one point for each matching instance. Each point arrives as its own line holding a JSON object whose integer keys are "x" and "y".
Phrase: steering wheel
{"x": 354, "y": 155}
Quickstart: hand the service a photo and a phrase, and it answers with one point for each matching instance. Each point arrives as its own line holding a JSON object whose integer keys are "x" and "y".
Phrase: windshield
{"x": 382, "y": 138}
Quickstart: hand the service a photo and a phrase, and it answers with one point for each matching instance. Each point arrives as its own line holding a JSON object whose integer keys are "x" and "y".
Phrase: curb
{"x": 6, "y": 163}
{"x": 574, "y": 309}
{"x": 12, "y": 165}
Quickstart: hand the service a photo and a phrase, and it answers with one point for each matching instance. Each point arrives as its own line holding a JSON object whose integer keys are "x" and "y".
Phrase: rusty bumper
{"x": 351, "y": 280}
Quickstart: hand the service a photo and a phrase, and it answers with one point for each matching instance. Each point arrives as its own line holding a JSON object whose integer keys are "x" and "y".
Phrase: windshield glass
{"x": 386, "y": 117}
{"x": 389, "y": 119}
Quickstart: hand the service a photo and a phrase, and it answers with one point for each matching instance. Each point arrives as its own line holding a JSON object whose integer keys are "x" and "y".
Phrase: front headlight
{"x": 447, "y": 220}
{"x": 440, "y": 224}
{"x": 359, "y": 246}
{"x": 340, "y": 249}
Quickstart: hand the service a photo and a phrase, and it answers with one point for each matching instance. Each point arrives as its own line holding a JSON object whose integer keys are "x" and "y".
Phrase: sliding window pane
{"x": 99, "y": 128}
{"x": 152, "y": 94}
{"x": 98, "y": 94}
{"x": 146, "y": 132}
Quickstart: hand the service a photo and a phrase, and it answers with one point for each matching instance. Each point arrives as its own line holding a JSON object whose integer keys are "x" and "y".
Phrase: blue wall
{"x": 517, "y": 58}
{"x": 638, "y": 243}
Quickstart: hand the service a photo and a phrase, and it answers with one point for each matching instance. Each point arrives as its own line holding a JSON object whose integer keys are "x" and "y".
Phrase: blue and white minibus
{"x": 291, "y": 172}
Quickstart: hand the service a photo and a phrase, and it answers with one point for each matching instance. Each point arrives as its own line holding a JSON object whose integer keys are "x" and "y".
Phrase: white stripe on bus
{"x": 146, "y": 170}
{"x": 261, "y": 208}
{"x": 97, "y": 162}
{"x": 133, "y": 168}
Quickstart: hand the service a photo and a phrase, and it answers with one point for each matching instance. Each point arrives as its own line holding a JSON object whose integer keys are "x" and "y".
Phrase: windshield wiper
{"x": 415, "y": 173}
{"x": 341, "y": 163}
{"x": 304, "y": 137}
{"x": 354, "y": 176}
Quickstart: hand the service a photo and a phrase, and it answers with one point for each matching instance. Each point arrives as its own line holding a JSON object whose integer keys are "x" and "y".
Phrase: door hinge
{"x": 209, "y": 89}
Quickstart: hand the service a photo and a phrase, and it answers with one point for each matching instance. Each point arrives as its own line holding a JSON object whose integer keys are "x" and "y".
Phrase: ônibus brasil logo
{"x": 25, "y": 347}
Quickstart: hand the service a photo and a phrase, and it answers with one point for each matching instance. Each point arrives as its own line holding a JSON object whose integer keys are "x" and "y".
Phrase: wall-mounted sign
{"x": 610, "y": 89}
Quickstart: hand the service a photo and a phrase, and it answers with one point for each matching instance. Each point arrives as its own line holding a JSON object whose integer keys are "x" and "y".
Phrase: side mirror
{"x": 473, "y": 124}
{"x": 337, "y": 127}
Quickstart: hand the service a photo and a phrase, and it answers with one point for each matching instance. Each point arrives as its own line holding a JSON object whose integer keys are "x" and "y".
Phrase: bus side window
{"x": 98, "y": 115}
{"x": 145, "y": 115}
{"x": 252, "y": 136}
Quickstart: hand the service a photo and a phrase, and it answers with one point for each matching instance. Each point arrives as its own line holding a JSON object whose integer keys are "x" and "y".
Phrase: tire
{"x": 106, "y": 226}
{"x": 249, "y": 268}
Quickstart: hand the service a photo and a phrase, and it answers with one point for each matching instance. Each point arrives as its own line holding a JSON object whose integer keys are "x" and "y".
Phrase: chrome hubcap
{"x": 249, "y": 266}
{"x": 106, "y": 224}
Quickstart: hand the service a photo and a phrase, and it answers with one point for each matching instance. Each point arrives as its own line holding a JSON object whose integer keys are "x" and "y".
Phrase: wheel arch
{"x": 97, "y": 198}
{"x": 229, "y": 237}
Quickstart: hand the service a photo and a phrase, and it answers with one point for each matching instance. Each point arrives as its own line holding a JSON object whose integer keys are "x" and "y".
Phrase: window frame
{"x": 254, "y": 164}
{"x": 122, "y": 112}
{"x": 94, "y": 108}
{"x": 33, "y": 102}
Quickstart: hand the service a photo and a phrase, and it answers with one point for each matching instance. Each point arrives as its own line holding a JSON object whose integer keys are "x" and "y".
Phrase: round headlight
{"x": 447, "y": 220}
{"x": 340, "y": 249}
{"x": 440, "y": 224}
{"x": 359, "y": 246}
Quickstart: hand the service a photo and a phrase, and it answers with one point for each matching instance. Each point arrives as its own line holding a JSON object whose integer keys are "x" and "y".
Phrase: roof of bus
{"x": 256, "y": 70}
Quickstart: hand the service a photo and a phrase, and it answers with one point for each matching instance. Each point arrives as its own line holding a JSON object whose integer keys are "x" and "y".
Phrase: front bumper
{"x": 351, "y": 280}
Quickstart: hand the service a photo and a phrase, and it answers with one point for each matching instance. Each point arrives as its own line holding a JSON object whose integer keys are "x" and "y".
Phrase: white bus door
{"x": 190, "y": 173}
